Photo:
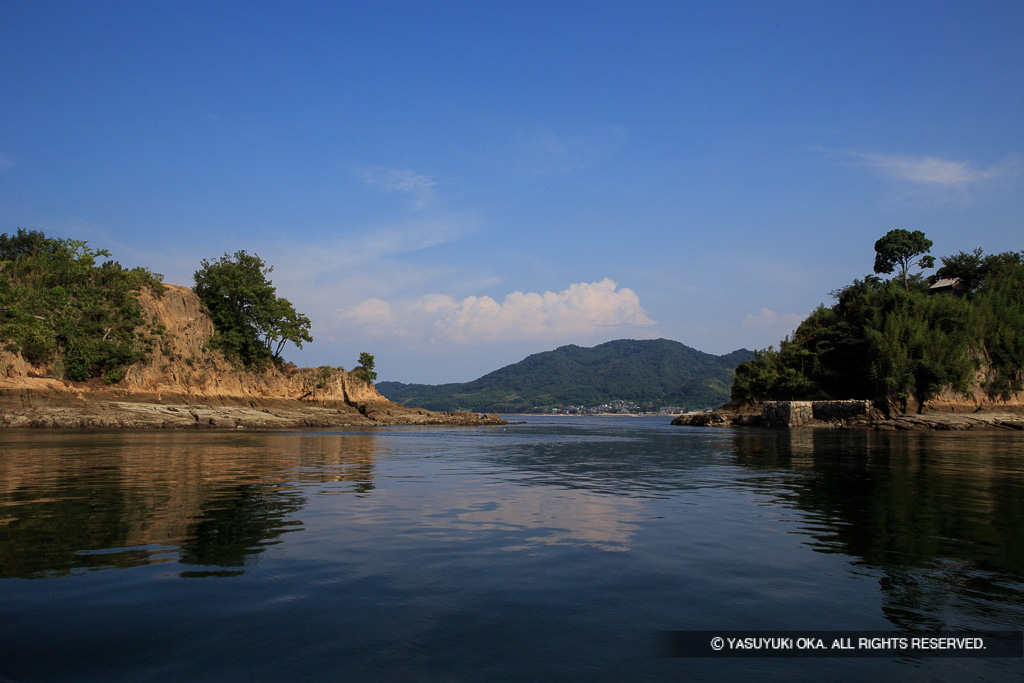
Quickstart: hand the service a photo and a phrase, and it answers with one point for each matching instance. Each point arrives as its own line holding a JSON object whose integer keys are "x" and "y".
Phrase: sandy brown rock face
{"x": 184, "y": 384}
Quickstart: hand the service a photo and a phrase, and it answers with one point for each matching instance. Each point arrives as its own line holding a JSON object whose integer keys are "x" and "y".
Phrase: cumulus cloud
{"x": 768, "y": 320}
{"x": 577, "y": 311}
{"x": 373, "y": 312}
{"x": 418, "y": 186}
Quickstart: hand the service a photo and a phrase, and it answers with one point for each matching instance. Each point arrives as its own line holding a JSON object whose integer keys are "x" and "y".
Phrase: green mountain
{"x": 650, "y": 373}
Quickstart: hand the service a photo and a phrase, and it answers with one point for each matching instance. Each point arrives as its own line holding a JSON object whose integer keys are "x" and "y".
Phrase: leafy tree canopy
{"x": 252, "y": 323}
{"x": 974, "y": 270}
{"x": 58, "y": 306}
{"x": 902, "y": 249}
{"x": 896, "y": 341}
{"x": 365, "y": 370}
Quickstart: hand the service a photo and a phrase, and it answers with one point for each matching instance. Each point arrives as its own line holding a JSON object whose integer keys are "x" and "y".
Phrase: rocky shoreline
{"x": 753, "y": 415}
{"x": 34, "y": 410}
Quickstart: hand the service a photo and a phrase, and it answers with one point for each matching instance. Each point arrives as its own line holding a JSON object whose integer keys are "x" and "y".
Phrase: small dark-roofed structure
{"x": 947, "y": 285}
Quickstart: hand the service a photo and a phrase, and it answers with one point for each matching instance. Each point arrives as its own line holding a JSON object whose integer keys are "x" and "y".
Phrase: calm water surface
{"x": 556, "y": 549}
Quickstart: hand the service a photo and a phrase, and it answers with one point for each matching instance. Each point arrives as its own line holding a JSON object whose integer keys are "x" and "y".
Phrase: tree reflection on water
{"x": 73, "y": 502}
{"x": 237, "y": 525}
{"x": 939, "y": 515}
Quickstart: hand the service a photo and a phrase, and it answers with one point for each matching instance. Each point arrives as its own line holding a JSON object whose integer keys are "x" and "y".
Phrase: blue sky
{"x": 452, "y": 186}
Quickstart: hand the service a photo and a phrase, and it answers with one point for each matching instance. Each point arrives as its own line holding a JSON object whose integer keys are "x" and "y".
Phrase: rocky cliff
{"x": 185, "y": 384}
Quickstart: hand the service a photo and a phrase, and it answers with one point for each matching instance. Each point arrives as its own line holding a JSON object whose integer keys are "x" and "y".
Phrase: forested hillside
{"x": 904, "y": 340}
{"x": 651, "y": 373}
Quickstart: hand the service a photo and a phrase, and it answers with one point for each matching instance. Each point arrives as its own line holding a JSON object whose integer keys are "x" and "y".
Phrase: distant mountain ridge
{"x": 652, "y": 373}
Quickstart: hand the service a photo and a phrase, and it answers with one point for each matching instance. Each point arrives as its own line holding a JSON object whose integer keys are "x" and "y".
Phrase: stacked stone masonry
{"x": 797, "y": 413}
{"x": 787, "y": 413}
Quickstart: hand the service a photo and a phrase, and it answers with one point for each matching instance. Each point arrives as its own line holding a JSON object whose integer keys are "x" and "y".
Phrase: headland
{"x": 184, "y": 384}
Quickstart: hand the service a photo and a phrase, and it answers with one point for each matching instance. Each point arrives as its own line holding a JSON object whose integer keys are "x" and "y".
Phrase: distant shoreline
{"x": 666, "y": 415}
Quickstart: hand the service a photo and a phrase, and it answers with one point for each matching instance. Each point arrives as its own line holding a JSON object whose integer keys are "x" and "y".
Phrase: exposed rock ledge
{"x": 32, "y": 409}
{"x": 734, "y": 415}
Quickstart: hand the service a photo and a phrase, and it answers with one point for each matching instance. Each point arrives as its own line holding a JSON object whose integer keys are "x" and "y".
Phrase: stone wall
{"x": 797, "y": 413}
{"x": 787, "y": 413}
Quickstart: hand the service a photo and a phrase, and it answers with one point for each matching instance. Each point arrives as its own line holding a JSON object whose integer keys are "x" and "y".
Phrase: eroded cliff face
{"x": 184, "y": 384}
{"x": 180, "y": 366}
{"x": 977, "y": 398}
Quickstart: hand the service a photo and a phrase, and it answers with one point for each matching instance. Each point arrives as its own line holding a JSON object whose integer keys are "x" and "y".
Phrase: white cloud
{"x": 420, "y": 187}
{"x": 928, "y": 170}
{"x": 372, "y": 252}
{"x": 768, "y": 320}
{"x": 373, "y": 312}
{"x": 932, "y": 179}
{"x": 5, "y": 162}
{"x": 576, "y": 312}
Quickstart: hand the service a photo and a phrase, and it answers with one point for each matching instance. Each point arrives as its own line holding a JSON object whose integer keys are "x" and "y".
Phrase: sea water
{"x": 563, "y": 548}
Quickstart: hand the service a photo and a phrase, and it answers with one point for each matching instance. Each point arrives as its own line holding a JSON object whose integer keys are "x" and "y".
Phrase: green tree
{"x": 27, "y": 243}
{"x": 252, "y": 323}
{"x": 58, "y": 306}
{"x": 903, "y": 345}
{"x": 902, "y": 249}
{"x": 963, "y": 266}
{"x": 976, "y": 272}
{"x": 365, "y": 369}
